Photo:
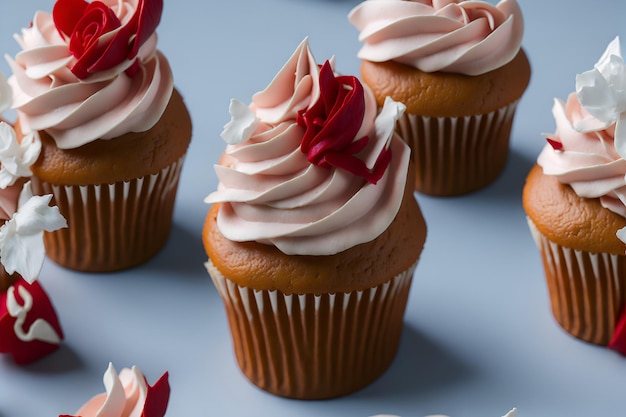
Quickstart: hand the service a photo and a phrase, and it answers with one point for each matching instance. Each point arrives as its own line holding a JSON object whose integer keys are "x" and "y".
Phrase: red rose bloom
{"x": 97, "y": 38}
{"x": 332, "y": 124}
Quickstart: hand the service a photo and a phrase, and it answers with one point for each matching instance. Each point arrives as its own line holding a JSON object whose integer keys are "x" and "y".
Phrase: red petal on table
{"x": 27, "y": 352}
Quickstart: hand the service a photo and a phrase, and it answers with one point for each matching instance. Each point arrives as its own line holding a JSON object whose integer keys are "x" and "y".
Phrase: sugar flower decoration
{"x": 29, "y": 326}
{"x": 21, "y": 237}
{"x": 331, "y": 126}
{"x": 242, "y": 124}
{"x": 128, "y": 395}
{"x": 16, "y": 157}
{"x": 96, "y": 36}
{"x": 602, "y": 92}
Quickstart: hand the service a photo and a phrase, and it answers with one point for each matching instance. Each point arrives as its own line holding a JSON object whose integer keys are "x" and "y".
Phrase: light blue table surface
{"x": 479, "y": 336}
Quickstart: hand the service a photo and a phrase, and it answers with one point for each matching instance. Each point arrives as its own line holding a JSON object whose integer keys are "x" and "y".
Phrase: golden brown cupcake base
{"x": 587, "y": 290}
{"x": 314, "y": 346}
{"x": 443, "y": 94}
{"x": 583, "y": 260}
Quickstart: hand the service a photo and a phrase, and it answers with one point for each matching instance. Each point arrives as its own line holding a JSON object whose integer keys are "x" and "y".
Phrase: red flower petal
{"x": 556, "y": 145}
{"x": 97, "y": 20}
{"x": 332, "y": 123}
{"x": 618, "y": 341}
{"x": 86, "y": 24}
{"x": 66, "y": 14}
{"x": 148, "y": 18}
{"x": 157, "y": 398}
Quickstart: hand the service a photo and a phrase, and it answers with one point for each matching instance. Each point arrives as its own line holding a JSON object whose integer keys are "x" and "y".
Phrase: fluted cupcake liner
{"x": 457, "y": 155}
{"x": 587, "y": 290}
{"x": 311, "y": 346}
{"x": 112, "y": 226}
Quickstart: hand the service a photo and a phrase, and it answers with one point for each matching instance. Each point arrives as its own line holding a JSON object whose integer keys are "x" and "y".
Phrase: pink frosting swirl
{"x": 128, "y": 395}
{"x": 107, "y": 104}
{"x": 271, "y": 193}
{"x": 585, "y": 159}
{"x": 466, "y": 37}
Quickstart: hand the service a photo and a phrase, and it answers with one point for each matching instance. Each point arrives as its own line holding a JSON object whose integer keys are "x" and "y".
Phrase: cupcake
{"x": 29, "y": 326}
{"x": 459, "y": 68}
{"x": 575, "y": 200}
{"x": 314, "y": 232}
{"x": 114, "y": 130}
{"x": 128, "y": 394}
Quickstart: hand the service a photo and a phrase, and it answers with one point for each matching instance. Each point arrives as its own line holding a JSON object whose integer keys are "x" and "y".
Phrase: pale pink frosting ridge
{"x": 104, "y": 105}
{"x": 458, "y": 36}
{"x": 271, "y": 193}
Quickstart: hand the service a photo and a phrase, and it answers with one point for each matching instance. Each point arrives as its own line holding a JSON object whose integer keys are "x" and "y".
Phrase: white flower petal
{"x": 595, "y": 94}
{"x": 8, "y": 139}
{"x": 614, "y": 48}
{"x": 17, "y": 253}
{"x": 602, "y": 90}
{"x": 25, "y": 194}
{"x": 16, "y": 158}
{"x": 21, "y": 238}
{"x": 6, "y": 179}
{"x": 242, "y": 125}
{"x": 30, "y": 148}
{"x": 36, "y": 215}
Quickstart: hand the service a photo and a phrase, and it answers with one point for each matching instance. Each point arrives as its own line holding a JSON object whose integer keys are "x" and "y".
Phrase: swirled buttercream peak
{"x": 459, "y": 36}
{"x": 81, "y": 93}
{"x": 288, "y": 179}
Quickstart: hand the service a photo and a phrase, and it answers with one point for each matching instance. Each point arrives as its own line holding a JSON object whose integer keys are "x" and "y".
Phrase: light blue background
{"x": 479, "y": 337}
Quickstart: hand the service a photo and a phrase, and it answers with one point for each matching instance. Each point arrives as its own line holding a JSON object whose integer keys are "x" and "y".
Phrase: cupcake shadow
{"x": 61, "y": 361}
{"x": 509, "y": 184}
{"x": 182, "y": 255}
{"x": 420, "y": 368}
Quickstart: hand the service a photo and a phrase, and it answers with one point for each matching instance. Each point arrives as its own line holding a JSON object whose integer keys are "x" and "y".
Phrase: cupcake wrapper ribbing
{"x": 112, "y": 226}
{"x": 457, "y": 155}
{"x": 314, "y": 346}
{"x": 587, "y": 290}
